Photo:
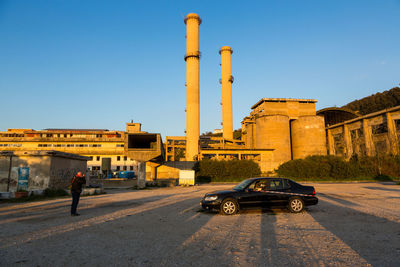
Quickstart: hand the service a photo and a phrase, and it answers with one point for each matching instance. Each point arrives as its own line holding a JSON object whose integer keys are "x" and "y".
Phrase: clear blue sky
{"x": 99, "y": 64}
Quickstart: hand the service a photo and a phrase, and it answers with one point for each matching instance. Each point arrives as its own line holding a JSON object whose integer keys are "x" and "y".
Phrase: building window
{"x": 91, "y": 157}
{"x": 120, "y": 145}
{"x": 98, "y": 158}
{"x": 379, "y": 128}
{"x": 118, "y": 168}
{"x": 44, "y": 145}
{"x": 99, "y": 135}
{"x": 380, "y": 147}
{"x": 125, "y": 158}
{"x": 131, "y": 168}
{"x": 65, "y": 135}
{"x": 397, "y": 125}
{"x": 124, "y": 168}
{"x": 118, "y": 158}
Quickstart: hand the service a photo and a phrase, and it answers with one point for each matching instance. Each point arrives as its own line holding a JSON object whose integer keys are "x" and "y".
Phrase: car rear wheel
{"x": 296, "y": 205}
{"x": 229, "y": 206}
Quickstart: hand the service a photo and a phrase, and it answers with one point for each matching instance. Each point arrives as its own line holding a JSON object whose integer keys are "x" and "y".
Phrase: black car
{"x": 261, "y": 192}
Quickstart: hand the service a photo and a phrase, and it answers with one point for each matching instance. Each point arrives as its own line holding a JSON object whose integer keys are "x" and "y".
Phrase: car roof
{"x": 256, "y": 178}
{"x": 265, "y": 178}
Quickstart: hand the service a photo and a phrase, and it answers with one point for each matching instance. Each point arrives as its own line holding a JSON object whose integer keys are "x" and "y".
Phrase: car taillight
{"x": 313, "y": 192}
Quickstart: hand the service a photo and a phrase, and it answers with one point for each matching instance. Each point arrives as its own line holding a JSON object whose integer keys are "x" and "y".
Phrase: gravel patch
{"x": 353, "y": 225}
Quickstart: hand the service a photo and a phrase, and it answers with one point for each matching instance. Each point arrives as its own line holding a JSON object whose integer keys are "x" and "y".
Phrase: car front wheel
{"x": 229, "y": 206}
{"x": 296, "y": 205}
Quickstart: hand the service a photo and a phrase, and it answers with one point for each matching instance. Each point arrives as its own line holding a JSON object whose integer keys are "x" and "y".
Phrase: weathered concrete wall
{"x": 273, "y": 132}
{"x": 293, "y": 108}
{"x": 157, "y": 171}
{"x": 63, "y": 169}
{"x": 308, "y": 136}
{"x": 47, "y": 169}
{"x": 4, "y": 172}
{"x": 39, "y": 169}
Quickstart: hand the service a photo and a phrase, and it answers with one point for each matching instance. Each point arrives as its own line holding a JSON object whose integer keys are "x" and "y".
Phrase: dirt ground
{"x": 353, "y": 225}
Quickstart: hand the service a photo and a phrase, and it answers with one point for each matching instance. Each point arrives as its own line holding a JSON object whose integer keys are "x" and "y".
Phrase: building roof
{"x": 335, "y": 115}
{"x": 53, "y": 153}
{"x": 367, "y": 116}
{"x": 76, "y": 130}
{"x": 283, "y": 100}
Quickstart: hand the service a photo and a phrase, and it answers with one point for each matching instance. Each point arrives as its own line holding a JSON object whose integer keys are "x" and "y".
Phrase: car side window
{"x": 278, "y": 184}
{"x": 261, "y": 185}
{"x": 252, "y": 186}
{"x": 285, "y": 184}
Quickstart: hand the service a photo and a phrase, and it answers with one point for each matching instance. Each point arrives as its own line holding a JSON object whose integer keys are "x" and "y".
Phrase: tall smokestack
{"x": 226, "y": 81}
{"x": 192, "y": 57}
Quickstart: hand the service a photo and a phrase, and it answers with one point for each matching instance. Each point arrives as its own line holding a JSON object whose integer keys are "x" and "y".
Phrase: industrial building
{"x": 286, "y": 126}
{"x": 97, "y": 144}
{"x": 276, "y": 130}
{"x": 373, "y": 134}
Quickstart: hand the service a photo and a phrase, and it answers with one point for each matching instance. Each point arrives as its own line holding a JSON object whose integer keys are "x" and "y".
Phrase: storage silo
{"x": 308, "y": 136}
{"x": 273, "y": 131}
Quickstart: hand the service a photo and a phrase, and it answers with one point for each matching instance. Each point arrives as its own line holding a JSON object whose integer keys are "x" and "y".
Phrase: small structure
{"x": 336, "y": 115}
{"x": 143, "y": 147}
{"x": 38, "y": 170}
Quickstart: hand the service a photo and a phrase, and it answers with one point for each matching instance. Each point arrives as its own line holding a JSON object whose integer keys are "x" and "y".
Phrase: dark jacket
{"x": 76, "y": 184}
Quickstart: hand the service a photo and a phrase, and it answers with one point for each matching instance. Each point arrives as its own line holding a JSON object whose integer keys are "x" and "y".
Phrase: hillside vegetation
{"x": 376, "y": 102}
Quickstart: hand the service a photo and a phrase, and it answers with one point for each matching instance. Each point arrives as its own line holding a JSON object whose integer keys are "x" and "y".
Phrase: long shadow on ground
{"x": 375, "y": 239}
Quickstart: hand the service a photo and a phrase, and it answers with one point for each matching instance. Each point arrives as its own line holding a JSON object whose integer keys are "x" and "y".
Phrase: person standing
{"x": 76, "y": 190}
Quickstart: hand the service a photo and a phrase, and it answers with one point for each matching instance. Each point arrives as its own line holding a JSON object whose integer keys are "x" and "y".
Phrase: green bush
{"x": 336, "y": 168}
{"x": 208, "y": 170}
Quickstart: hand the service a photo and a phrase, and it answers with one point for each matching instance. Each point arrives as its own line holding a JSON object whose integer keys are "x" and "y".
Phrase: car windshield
{"x": 243, "y": 184}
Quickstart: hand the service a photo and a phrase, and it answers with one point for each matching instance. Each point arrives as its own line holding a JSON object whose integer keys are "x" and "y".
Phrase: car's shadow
{"x": 268, "y": 211}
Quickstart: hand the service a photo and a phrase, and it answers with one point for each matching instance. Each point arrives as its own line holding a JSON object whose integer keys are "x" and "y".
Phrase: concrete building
{"x": 97, "y": 144}
{"x": 175, "y": 147}
{"x": 276, "y": 131}
{"x": 374, "y": 134}
{"x": 286, "y": 126}
{"x": 142, "y": 146}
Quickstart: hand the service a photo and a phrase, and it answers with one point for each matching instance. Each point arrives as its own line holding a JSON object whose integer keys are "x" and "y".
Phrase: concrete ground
{"x": 353, "y": 225}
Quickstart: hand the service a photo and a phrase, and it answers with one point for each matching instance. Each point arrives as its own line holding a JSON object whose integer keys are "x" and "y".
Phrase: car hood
{"x": 222, "y": 192}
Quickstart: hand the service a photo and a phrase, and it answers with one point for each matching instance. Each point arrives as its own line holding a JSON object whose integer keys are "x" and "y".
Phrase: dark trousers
{"x": 75, "y": 201}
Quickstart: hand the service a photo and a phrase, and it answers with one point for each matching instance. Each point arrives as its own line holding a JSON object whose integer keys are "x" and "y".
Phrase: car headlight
{"x": 210, "y": 198}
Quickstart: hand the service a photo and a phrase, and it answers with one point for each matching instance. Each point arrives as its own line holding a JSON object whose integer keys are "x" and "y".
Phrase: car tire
{"x": 229, "y": 206}
{"x": 296, "y": 205}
